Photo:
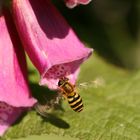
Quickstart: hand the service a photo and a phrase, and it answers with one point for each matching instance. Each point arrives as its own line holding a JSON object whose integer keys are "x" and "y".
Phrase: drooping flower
{"x": 14, "y": 91}
{"x": 73, "y": 3}
{"x": 51, "y": 45}
{"x": 49, "y": 41}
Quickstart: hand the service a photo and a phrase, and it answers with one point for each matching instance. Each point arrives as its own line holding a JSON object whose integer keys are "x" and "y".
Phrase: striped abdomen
{"x": 75, "y": 102}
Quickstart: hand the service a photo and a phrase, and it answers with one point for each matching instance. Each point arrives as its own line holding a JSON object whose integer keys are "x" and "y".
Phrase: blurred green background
{"x": 111, "y": 27}
{"x": 112, "y": 101}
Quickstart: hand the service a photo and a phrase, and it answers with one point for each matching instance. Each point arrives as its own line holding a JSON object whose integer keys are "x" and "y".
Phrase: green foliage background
{"x": 111, "y": 108}
{"x": 111, "y": 27}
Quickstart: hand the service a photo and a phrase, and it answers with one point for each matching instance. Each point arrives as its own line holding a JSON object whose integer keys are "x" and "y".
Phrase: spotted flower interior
{"x": 52, "y": 76}
{"x": 57, "y": 71}
{"x": 8, "y": 114}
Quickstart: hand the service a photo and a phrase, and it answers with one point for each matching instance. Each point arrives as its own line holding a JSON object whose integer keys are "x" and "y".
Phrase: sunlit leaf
{"x": 111, "y": 109}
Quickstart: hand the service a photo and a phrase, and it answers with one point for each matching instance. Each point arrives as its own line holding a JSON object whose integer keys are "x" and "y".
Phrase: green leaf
{"x": 111, "y": 107}
{"x": 45, "y": 137}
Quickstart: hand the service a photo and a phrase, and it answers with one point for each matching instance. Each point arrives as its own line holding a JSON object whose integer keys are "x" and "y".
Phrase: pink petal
{"x": 8, "y": 115}
{"x": 49, "y": 41}
{"x": 13, "y": 82}
{"x": 73, "y": 3}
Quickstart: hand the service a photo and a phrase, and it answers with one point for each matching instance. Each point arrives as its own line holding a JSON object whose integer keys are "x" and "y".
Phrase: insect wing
{"x": 41, "y": 109}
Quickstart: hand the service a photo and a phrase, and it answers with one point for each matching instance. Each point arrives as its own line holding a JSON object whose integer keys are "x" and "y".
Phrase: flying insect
{"x": 68, "y": 91}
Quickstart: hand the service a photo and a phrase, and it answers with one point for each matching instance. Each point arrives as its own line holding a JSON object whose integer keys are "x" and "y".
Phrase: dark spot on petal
{"x": 62, "y": 68}
{"x": 58, "y": 73}
{"x": 51, "y": 70}
{"x": 61, "y": 71}
{"x": 51, "y": 77}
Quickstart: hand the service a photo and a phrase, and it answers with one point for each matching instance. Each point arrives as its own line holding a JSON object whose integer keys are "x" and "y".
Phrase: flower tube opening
{"x": 70, "y": 70}
{"x": 8, "y": 114}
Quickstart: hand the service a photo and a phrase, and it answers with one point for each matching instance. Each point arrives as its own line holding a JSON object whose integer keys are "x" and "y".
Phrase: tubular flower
{"x": 73, "y": 3}
{"x": 51, "y": 44}
{"x": 14, "y": 92}
{"x": 49, "y": 41}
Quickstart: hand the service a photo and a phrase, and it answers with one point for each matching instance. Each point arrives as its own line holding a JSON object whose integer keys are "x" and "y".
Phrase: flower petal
{"x": 74, "y": 3}
{"x": 8, "y": 115}
{"x": 13, "y": 79}
{"x": 49, "y": 41}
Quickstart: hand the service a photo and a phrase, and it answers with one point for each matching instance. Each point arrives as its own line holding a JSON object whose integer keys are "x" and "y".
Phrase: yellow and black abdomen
{"x": 75, "y": 102}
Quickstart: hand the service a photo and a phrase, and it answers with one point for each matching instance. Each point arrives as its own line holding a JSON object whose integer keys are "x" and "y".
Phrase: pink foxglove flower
{"x": 14, "y": 92}
{"x": 50, "y": 42}
{"x": 73, "y": 3}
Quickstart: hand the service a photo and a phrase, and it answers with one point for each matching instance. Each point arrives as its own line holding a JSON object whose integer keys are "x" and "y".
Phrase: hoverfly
{"x": 68, "y": 91}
